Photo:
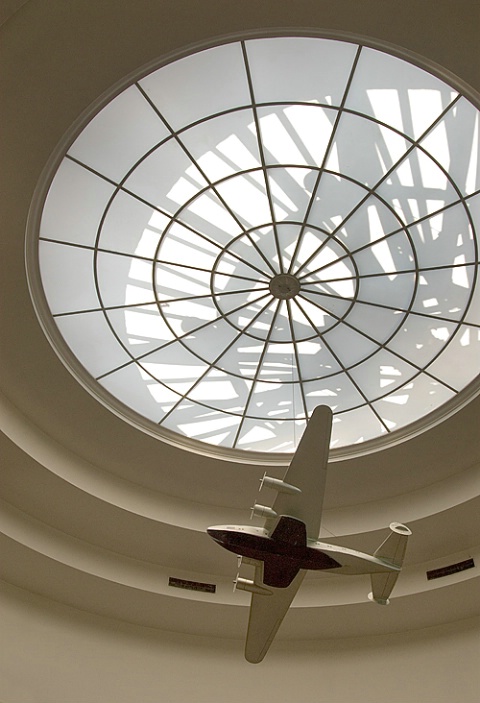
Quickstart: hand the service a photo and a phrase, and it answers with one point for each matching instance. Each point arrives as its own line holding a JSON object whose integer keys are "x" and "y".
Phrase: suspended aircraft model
{"x": 287, "y": 546}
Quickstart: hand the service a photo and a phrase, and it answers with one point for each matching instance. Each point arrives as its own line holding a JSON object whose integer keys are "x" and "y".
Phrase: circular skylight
{"x": 265, "y": 226}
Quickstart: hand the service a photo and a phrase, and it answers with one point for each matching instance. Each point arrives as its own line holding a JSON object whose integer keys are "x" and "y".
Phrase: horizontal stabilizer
{"x": 392, "y": 552}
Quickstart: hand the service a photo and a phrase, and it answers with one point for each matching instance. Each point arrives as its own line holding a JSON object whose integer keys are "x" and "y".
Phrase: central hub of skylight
{"x": 284, "y": 286}
{"x": 262, "y": 227}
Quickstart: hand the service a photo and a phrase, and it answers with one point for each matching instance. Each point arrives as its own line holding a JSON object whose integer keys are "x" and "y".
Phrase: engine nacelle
{"x": 248, "y": 585}
{"x": 278, "y": 485}
{"x": 263, "y": 511}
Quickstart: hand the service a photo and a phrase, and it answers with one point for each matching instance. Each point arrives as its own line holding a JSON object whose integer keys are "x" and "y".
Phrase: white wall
{"x": 50, "y": 653}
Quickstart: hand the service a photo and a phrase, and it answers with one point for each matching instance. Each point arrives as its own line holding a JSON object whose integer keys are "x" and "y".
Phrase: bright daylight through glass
{"x": 266, "y": 226}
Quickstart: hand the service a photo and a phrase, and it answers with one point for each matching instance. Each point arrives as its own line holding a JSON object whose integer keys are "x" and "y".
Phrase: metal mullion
{"x": 383, "y": 345}
{"x": 135, "y": 359}
{"x": 256, "y": 375}
{"x": 262, "y": 154}
{"x": 179, "y": 141}
{"x": 371, "y": 191}
{"x": 213, "y": 363}
{"x": 342, "y": 366}
{"x": 340, "y": 111}
{"x": 297, "y": 359}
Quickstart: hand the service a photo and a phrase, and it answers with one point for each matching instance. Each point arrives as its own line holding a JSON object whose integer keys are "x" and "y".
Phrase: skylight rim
{"x": 470, "y": 391}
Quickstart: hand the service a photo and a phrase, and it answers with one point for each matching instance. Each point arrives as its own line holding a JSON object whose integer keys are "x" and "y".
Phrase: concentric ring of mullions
{"x": 245, "y": 236}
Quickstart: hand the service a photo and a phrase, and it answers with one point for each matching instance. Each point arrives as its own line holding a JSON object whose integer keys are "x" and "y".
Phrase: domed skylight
{"x": 265, "y": 226}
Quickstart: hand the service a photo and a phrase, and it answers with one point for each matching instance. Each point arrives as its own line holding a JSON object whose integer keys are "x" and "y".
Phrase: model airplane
{"x": 287, "y": 546}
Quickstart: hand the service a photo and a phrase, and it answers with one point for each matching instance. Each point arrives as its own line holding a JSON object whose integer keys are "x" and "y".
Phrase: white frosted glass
{"x": 368, "y": 224}
{"x": 251, "y": 257}
{"x": 200, "y": 341}
{"x": 267, "y": 436}
{"x": 166, "y": 178}
{"x": 444, "y": 293}
{"x": 413, "y": 401}
{"x": 278, "y": 365}
{"x": 224, "y": 145}
{"x": 395, "y": 291}
{"x": 90, "y": 338}
{"x": 387, "y": 255}
{"x": 315, "y": 361}
{"x": 174, "y": 366}
{"x": 198, "y": 422}
{"x": 420, "y": 339}
{"x": 138, "y": 391}
{"x": 379, "y": 323}
{"x": 221, "y": 391}
{"x": 300, "y": 69}
{"x": 140, "y": 329}
{"x": 67, "y": 277}
{"x": 131, "y": 227}
{"x": 328, "y": 304}
{"x": 363, "y": 150}
{"x": 211, "y": 217}
{"x": 334, "y": 199}
{"x": 246, "y": 197}
{"x": 187, "y": 248}
{"x": 432, "y": 190}
{"x": 174, "y": 281}
{"x": 382, "y": 373}
{"x": 397, "y": 92}
{"x": 74, "y": 205}
{"x": 199, "y": 85}
{"x": 119, "y": 135}
{"x": 355, "y": 426}
{"x": 124, "y": 280}
{"x": 289, "y": 192}
{"x": 348, "y": 345}
{"x": 454, "y": 142}
{"x": 460, "y": 361}
{"x": 442, "y": 239}
{"x": 242, "y": 357}
{"x": 336, "y": 391}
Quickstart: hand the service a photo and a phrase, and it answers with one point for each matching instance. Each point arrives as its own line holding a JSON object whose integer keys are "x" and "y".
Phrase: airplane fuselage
{"x": 287, "y": 550}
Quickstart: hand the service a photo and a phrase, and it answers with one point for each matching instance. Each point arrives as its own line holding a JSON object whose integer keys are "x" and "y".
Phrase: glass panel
{"x": 123, "y": 280}
{"x": 167, "y": 178}
{"x": 420, "y": 338}
{"x": 348, "y": 345}
{"x": 396, "y": 290}
{"x": 300, "y": 69}
{"x": 454, "y": 143}
{"x": 413, "y": 401}
{"x": 200, "y": 341}
{"x": 141, "y": 329}
{"x": 224, "y": 145}
{"x": 444, "y": 293}
{"x": 119, "y": 135}
{"x": 382, "y": 373}
{"x": 289, "y": 192}
{"x": 67, "y": 277}
{"x": 379, "y": 323}
{"x": 140, "y": 392}
{"x": 355, "y": 426}
{"x": 316, "y": 361}
{"x": 92, "y": 341}
{"x": 387, "y": 255}
{"x": 460, "y": 362}
{"x": 246, "y": 196}
{"x": 397, "y": 93}
{"x": 131, "y": 227}
{"x": 221, "y": 391}
{"x": 192, "y": 88}
{"x": 364, "y": 150}
{"x": 75, "y": 204}
{"x": 270, "y": 400}
{"x": 175, "y": 367}
{"x": 443, "y": 239}
{"x": 210, "y": 426}
{"x": 412, "y": 198}
{"x": 243, "y": 357}
{"x": 211, "y": 217}
{"x": 334, "y": 199}
{"x": 336, "y": 391}
{"x": 267, "y": 436}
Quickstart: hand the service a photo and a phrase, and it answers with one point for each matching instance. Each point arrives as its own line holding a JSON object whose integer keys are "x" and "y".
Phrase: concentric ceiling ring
{"x": 242, "y": 235}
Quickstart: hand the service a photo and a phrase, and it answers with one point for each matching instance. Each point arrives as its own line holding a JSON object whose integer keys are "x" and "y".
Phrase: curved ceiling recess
{"x": 261, "y": 227}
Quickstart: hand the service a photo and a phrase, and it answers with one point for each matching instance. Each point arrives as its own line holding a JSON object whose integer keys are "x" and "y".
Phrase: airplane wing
{"x": 266, "y": 615}
{"x": 308, "y": 472}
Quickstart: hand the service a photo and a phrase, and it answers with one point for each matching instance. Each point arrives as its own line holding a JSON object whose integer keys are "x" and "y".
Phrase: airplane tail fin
{"x": 392, "y": 552}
